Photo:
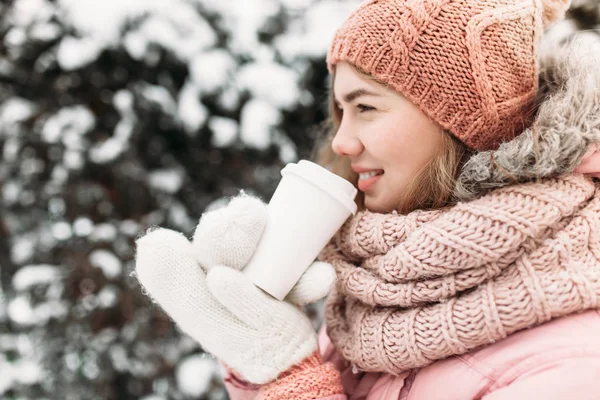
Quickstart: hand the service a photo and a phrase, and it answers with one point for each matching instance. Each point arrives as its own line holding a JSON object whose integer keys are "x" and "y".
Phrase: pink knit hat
{"x": 470, "y": 65}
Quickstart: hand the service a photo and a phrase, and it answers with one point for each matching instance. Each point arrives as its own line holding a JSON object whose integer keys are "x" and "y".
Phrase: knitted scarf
{"x": 417, "y": 288}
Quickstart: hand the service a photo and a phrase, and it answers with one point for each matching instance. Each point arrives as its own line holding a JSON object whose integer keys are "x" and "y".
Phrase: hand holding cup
{"x": 200, "y": 286}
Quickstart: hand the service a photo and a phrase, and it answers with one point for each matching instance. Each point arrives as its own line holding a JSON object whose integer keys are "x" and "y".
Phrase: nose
{"x": 346, "y": 142}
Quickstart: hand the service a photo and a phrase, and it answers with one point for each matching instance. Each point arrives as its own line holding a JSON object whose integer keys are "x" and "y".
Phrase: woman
{"x": 472, "y": 270}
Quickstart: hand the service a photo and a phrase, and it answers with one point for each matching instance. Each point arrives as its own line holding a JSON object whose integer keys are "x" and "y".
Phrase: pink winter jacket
{"x": 557, "y": 360}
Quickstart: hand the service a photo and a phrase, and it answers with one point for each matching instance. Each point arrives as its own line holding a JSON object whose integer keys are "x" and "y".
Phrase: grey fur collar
{"x": 567, "y": 122}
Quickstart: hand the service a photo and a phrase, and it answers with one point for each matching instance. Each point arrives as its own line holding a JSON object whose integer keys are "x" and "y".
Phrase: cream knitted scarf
{"x": 416, "y": 288}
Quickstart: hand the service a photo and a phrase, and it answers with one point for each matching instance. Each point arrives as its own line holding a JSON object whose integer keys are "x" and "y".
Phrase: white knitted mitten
{"x": 201, "y": 287}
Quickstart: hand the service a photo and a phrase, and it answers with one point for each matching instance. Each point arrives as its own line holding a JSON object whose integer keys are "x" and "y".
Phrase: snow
{"x": 56, "y": 206}
{"x": 159, "y": 95}
{"x": 123, "y": 101}
{"x": 12, "y": 146}
{"x": 297, "y": 4}
{"x": 27, "y": 197}
{"x": 224, "y": 131}
{"x": 108, "y": 296}
{"x": 104, "y": 232}
{"x": 287, "y": 148}
{"x": 15, "y": 37}
{"x": 46, "y": 240}
{"x": 22, "y": 249}
{"x": 73, "y": 159}
{"x": 243, "y": 20}
{"x": 73, "y": 139}
{"x": 179, "y": 217}
{"x": 83, "y": 226}
{"x": 194, "y": 374}
{"x": 130, "y": 228}
{"x": 161, "y": 386}
{"x": 29, "y": 12}
{"x": 61, "y": 231}
{"x": 74, "y": 53}
{"x": 190, "y": 111}
{"x": 123, "y": 131}
{"x": 76, "y": 120}
{"x": 72, "y": 361}
{"x": 6, "y": 379}
{"x": 22, "y": 312}
{"x": 167, "y": 180}
{"x": 31, "y": 275}
{"x": 171, "y": 24}
{"x": 108, "y": 150}
{"x": 30, "y": 372}
{"x": 45, "y": 32}
{"x": 311, "y": 35}
{"x": 24, "y": 344}
{"x": 212, "y": 70}
{"x": 217, "y": 204}
{"x": 229, "y": 98}
{"x": 107, "y": 261}
{"x": 22, "y": 371}
{"x": 90, "y": 369}
{"x": 153, "y": 397}
{"x": 258, "y": 119}
{"x": 118, "y": 357}
{"x": 10, "y": 192}
{"x": 183, "y": 41}
{"x": 32, "y": 166}
{"x": 59, "y": 174}
{"x": 14, "y": 110}
{"x": 136, "y": 45}
{"x": 271, "y": 82}
{"x": 2, "y": 305}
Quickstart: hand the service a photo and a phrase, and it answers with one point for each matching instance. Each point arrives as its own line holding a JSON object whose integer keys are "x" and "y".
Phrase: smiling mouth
{"x": 367, "y": 175}
{"x": 367, "y": 179}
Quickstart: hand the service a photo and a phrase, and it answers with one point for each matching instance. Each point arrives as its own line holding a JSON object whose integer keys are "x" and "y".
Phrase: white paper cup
{"x": 308, "y": 207}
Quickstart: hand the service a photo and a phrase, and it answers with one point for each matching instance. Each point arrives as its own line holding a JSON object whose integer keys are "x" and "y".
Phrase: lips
{"x": 360, "y": 170}
{"x": 365, "y": 184}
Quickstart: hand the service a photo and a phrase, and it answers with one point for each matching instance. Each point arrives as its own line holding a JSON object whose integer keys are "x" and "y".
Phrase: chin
{"x": 374, "y": 205}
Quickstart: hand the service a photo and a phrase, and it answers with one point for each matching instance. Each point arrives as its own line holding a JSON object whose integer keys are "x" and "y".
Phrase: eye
{"x": 363, "y": 108}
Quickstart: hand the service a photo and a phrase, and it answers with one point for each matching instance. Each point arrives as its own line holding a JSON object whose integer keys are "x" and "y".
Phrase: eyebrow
{"x": 353, "y": 95}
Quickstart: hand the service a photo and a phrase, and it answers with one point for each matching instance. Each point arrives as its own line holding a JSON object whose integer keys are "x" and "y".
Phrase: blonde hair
{"x": 432, "y": 186}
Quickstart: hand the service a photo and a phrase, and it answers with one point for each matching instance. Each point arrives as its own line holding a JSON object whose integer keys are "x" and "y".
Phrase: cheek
{"x": 386, "y": 140}
{"x": 397, "y": 142}
{"x": 407, "y": 143}
{"x": 402, "y": 138}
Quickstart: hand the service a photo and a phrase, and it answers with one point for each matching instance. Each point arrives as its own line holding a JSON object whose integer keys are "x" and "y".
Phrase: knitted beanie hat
{"x": 470, "y": 65}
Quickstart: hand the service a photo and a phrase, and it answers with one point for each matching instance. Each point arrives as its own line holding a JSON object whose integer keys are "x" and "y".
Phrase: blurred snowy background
{"x": 120, "y": 114}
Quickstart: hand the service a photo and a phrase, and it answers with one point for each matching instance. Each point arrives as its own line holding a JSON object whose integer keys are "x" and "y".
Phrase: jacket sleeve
{"x": 237, "y": 388}
{"x": 574, "y": 378}
{"x": 312, "y": 379}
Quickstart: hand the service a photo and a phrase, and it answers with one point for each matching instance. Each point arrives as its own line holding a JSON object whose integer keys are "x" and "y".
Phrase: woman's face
{"x": 387, "y": 138}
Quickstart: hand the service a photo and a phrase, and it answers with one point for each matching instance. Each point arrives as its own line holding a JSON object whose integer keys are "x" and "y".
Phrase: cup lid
{"x": 335, "y": 185}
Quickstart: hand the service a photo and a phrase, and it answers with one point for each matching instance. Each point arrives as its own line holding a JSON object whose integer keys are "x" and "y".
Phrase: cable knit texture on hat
{"x": 470, "y": 65}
